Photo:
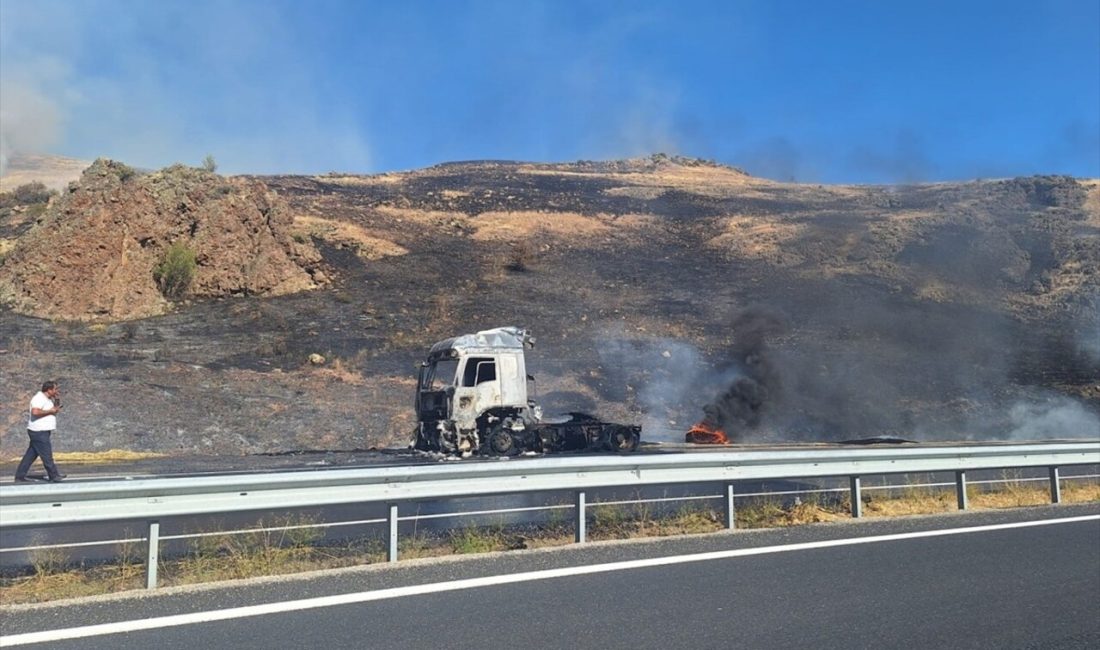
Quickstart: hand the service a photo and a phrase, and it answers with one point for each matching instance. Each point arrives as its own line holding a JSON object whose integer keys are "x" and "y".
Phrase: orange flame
{"x": 705, "y": 434}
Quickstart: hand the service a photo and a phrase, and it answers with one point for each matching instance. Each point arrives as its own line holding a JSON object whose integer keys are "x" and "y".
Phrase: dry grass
{"x": 534, "y": 228}
{"x": 774, "y": 514}
{"x": 94, "y": 457}
{"x": 916, "y": 503}
{"x": 53, "y": 578}
{"x": 209, "y": 559}
{"x": 1019, "y": 494}
{"x": 388, "y": 178}
{"x": 705, "y": 180}
{"x": 641, "y": 192}
{"x": 1092, "y": 201}
{"x": 935, "y": 291}
{"x": 341, "y": 370}
{"x": 758, "y": 238}
{"x": 435, "y": 218}
{"x": 342, "y": 233}
{"x": 296, "y": 549}
{"x": 1014, "y": 494}
{"x": 509, "y": 226}
{"x": 637, "y": 520}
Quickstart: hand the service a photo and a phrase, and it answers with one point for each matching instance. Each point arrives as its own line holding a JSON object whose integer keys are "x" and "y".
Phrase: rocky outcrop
{"x": 93, "y": 254}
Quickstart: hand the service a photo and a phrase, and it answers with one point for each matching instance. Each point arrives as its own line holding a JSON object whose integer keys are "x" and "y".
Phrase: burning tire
{"x": 704, "y": 433}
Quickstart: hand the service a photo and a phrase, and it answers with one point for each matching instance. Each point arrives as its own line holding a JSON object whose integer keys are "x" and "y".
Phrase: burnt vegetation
{"x": 662, "y": 291}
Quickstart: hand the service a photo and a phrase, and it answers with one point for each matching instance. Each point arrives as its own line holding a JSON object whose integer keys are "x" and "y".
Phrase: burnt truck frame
{"x": 472, "y": 397}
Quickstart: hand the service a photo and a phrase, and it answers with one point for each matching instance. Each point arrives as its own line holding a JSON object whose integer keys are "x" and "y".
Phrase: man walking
{"x": 43, "y": 420}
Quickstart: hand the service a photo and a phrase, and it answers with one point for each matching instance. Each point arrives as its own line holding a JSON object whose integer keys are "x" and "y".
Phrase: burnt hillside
{"x": 658, "y": 289}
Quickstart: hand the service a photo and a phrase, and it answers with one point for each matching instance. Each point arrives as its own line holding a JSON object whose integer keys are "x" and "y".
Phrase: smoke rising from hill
{"x": 29, "y": 121}
{"x": 934, "y": 352}
{"x": 221, "y": 78}
{"x": 856, "y": 369}
{"x": 1050, "y": 416}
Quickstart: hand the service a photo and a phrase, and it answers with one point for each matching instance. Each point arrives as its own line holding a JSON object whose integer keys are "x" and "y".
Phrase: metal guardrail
{"x": 155, "y": 499}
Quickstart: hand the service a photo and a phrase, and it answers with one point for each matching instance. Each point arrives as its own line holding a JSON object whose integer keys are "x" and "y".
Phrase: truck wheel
{"x": 621, "y": 439}
{"x": 499, "y": 442}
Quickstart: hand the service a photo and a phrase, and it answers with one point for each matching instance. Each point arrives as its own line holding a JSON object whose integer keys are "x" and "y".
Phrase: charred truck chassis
{"x": 472, "y": 398}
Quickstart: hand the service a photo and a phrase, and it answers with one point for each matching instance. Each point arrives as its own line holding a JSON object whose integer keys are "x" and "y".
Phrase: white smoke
{"x": 646, "y": 124}
{"x": 676, "y": 369}
{"x": 29, "y": 121}
{"x": 1052, "y": 418}
{"x": 671, "y": 380}
{"x": 84, "y": 80}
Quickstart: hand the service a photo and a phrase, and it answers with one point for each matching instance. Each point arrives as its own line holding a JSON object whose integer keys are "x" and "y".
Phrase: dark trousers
{"x": 40, "y": 447}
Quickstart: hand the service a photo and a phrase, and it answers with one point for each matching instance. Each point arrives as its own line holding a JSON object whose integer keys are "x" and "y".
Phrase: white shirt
{"x": 46, "y": 422}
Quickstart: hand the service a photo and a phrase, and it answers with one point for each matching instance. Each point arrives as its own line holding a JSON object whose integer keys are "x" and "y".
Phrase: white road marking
{"x": 473, "y": 583}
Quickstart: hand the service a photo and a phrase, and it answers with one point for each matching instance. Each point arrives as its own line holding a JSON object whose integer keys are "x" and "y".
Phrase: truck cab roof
{"x": 494, "y": 340}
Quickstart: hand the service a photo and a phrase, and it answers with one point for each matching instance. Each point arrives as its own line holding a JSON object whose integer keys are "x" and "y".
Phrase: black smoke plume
{"x": 742, "y": 405}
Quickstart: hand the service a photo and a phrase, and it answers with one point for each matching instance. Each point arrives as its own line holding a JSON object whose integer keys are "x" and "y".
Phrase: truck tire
{"x": 499, "y": 442}
{"x": 621, "y": 439}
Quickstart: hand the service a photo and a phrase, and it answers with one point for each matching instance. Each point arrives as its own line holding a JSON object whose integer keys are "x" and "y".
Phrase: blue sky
{"x": 854, "y": 92}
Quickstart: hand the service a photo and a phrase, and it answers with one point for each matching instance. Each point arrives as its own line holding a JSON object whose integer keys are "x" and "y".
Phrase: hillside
{"x": 658, "y": 289}
{"x": 55, "y": 172}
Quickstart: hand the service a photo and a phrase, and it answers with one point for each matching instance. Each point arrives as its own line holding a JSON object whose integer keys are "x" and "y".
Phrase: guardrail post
{"x": 1055, "y": 486}
{"x": 391, "y": 554}
{"x": 580, "y": 532}
{"x": 857, "y": 497}
{"x": 152, "y": 550}
{"x": 731, "y": 510}
{"x": 960, "y": 490}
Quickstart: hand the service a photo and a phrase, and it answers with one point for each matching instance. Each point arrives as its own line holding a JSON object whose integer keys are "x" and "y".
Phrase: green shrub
{"x": 125, "y": 172}
{"x": 209, "y": 164}
{"x": 33, "y": 192}
{"x": 175, "y": 272}
{"x": 30, "y": 194}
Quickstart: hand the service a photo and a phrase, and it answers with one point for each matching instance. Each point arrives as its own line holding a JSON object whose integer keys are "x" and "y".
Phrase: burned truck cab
{"x": 472, "y": 391}
{"x": 472, "y": 397}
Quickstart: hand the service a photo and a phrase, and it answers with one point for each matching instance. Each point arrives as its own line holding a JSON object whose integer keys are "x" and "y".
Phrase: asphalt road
{"x": 914, "y": 582}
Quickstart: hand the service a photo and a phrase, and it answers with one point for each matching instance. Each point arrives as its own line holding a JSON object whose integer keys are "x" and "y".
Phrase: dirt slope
{"x": 659, "y": 289}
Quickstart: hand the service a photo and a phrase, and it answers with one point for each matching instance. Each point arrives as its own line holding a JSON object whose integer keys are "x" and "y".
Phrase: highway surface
{"x": 1023, "y": 578}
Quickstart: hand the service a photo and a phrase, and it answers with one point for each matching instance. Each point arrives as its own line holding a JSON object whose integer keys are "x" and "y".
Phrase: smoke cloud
{"x": 927, "y": 379}
{"x": 776, "y": 158}
{"x": 1052, "y": 417}
{"x": 29, "y": 121}
{"x": 859, "y": 369}
{"x": 220, "y": 78}
{"x": 906, "y": 161}
{"x": 667, "y": 376}
{"x": 742, "y": 405}
{"x": 675, "y": 385}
